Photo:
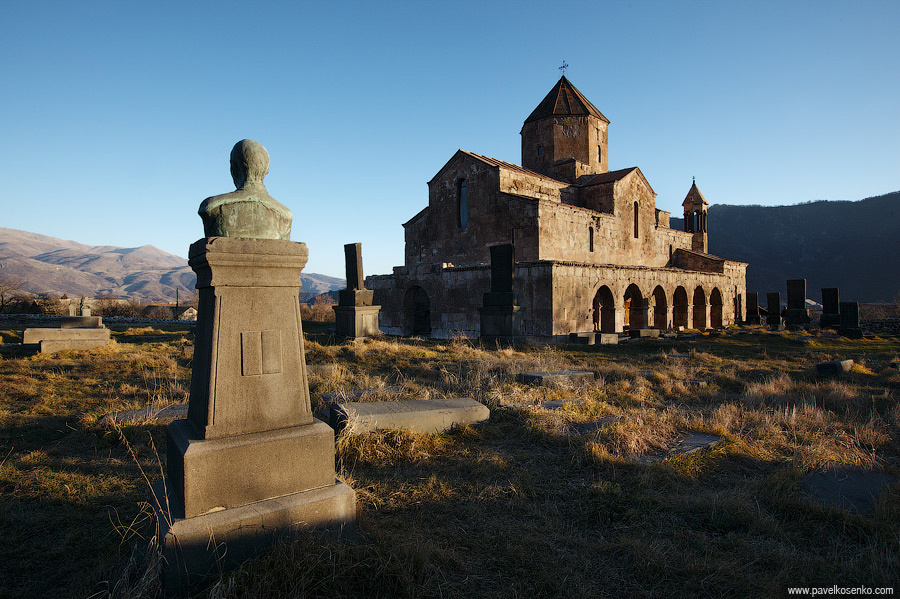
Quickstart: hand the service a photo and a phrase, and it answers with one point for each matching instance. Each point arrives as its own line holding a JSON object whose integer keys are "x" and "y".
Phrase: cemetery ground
{"x": 535, "y": 502}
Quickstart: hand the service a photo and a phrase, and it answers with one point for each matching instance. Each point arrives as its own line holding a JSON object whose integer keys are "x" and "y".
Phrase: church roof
{"x": 609, "y": 176}
{"x": 564, "y": 100}
{"x": 694, "y": 197}
{"x": 510, "y": 166}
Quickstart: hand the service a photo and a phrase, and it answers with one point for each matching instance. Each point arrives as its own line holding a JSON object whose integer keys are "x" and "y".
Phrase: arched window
{"x": 635, "y": 220}
{"x": 599, "y": 153}
{"x": 540, "y": 150}
{"x": 591, "y": 239}
{"x": 462, "y": 204}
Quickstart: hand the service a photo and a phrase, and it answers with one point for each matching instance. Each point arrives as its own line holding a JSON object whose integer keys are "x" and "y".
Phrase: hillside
{"x": 851, "y": 245}
{"x": 146, "y": 273}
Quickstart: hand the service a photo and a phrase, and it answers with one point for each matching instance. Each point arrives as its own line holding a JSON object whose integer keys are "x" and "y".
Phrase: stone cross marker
{"x": 752, "y": 308}
{"x": 831, "y": 307}
{"x": 250, "y": 460}
{"x": 355, "y": 317}
{"x": 502, "y": 263}
{"x": 773, "y": 306}
{"x": 501, "y": 319}
{"x": 797, "y": 313}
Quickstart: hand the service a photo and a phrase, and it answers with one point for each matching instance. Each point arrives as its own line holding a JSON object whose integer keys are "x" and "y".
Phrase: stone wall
{"x": 881, "y": 326}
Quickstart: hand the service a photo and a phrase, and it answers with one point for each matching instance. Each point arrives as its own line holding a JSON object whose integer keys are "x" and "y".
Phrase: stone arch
{"x": 416, "y": 312}
{"x": 634, "y": 307}
{"x": 604, "y": 310}
{"x": 660, "y": 308}
{"x": 715, "y": 309}
{"x": 699, "y": 305}
{"x": 680, "y": 307}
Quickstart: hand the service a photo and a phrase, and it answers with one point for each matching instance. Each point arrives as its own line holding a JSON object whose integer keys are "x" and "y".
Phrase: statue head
{"x": 249, "y": 163}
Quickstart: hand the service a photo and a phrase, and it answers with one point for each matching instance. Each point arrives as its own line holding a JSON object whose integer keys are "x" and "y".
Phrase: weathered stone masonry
{"x": 592, "y": 251}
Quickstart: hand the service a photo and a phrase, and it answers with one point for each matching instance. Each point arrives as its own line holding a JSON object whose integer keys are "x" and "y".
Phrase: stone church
{"x": 591, "y": 250}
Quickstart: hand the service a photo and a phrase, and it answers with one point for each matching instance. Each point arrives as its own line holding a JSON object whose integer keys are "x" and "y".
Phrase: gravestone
{"x": 831, "y": 308}
{"x": 753, "y": 308}
{"x": 850, "y": 320}
{"x": 419, "y": 416}
{"x": 835, "y": 367}
{"x": 249, "y": 461}
{"x": 74, "y": 332}
{"x": 501, "y": 319}
{"x": 355, "y": 317}
{"x": 797, "y": 314}
{"x": 556, "y": 377}
{"x": 773, "y": 307}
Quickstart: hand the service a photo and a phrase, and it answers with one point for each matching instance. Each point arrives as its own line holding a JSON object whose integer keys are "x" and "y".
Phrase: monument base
{"x": 356, "y": 322}
{"x": 501, "y": 323}
{"x": 195, "y": 548}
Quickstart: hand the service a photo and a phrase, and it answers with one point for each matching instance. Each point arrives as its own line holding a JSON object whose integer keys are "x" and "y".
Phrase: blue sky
{"x": 118, "y": 117}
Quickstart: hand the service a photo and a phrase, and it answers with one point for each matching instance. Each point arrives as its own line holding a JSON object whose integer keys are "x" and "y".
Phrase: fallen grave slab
{"x": 850, "y": 489}
{"x": 644, "y": 333}
{"x": 690, "y": 443}
{"x": 164, "y": 414}
{"x": 592, "y": 426}
{"x": 420, "y": 416}
{"x": 675, "y": 356}
{"x": 322, "y": 369}
{"x": 555, "y": 376}
{"x": 835, "y": 367}
{"x": 694, "y": 382}
{"x": 607, "y": 338}
{"x": 553, "y": 404}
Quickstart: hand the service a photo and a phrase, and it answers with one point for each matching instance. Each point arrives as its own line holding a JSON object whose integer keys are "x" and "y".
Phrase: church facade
{"x": 591, "y": 250}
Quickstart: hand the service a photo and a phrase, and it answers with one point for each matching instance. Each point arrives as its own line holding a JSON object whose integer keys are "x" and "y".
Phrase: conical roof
{"x": 564, "y": 100}
{"x": 694, "y": 197}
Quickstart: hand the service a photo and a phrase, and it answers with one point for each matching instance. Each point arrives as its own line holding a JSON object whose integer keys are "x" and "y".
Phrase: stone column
{"x": 355, "y": 317}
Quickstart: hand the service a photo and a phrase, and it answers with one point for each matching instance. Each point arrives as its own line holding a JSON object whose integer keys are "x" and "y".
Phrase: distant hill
{"x": 851, "y": 245}
{"x": 145, "y": 273}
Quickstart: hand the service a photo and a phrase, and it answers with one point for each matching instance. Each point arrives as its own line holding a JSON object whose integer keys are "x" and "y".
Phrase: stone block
{"x": 773, "y": 309}
{"x": 202, "y": 546}
{"x": 583, "y": 338}
{"x": 211, "y": 474}
{"x": 835, "y": 367}
{"x": 849, "y": 315}
{"x": 356, "y": 322}
{"x": 831, "y": 308}
{"x": 355, "y": 297}
{"x": 643, "y": 333}
{"x": 753, "y": 308}
{"x": 501, "y": 323}
{"x": 555, "y": 377}
{"x": 47, "y": 346}
{"x": 81, "y": 322}
{"x": 421, "y": 416}
{"x": 608, "y": 338}
{"x": 38, "y": 335}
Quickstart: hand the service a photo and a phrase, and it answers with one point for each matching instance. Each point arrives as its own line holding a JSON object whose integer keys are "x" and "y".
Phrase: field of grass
{"x": 520, "y": 506}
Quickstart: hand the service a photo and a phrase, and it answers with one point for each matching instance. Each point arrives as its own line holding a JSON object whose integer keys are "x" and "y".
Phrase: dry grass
{"x": 517, "y": 507}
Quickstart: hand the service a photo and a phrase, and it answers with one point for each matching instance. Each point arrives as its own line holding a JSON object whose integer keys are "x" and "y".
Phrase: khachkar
{"x": 501, "y": 319}
{"x": 355, "y": 317}
{"x": 250, "y": 461}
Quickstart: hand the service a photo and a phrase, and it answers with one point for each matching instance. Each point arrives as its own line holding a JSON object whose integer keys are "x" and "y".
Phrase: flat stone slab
{"x": 322, "y": 369}
{"x": 675, "y": 356}
{"x": 42, "y": 334}
{"x": 690, "y": 443}
{"x": 583, "y": 338}
{"x": 420, "y": 416}
{"x": 338, "y": 396}
{"x": 165, "y": 414}
{"x": 835, "y": 367}
{"x": 694, "y": 382}
{"x": 607, "y": 338}
{"x": 850, "y": 489}
{"x": 555, "y": 376}
{"x": 554, "y": 404}
{"x": 81, "y": 322}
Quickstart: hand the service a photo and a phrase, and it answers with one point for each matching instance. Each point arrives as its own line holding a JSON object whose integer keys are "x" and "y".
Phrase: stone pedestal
{"x": 501, "y": 323}
{"x": 356, "y": 322}
{"x": 250, "y": 460}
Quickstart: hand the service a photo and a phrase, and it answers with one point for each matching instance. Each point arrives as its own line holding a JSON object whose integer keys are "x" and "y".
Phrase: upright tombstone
{"x": 831, "y": 308}
{"x": 753, "y": 308}
{"x": 850, "y": 320}
{"x": 773, "y": 307}
{"x": 355, "y": 317}
{"x": 501, "y": 319}
{"x": 250, "y": 461}
{"x": 797, "y": 314}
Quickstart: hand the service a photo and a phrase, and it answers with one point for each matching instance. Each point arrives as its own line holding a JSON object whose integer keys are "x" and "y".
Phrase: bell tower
{"x": 565, "y": 137}
{"x": 695, "y": 208}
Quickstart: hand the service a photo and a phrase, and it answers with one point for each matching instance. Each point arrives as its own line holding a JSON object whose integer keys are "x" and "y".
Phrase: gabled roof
{"x": 564, "y": 100}
{"x": 694, "y": 197}
{"x": 613, "y": 176}
{"x": 498, "y": 163}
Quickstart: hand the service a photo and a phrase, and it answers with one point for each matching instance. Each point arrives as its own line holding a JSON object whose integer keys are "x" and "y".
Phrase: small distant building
{"x": 591, "y": 250}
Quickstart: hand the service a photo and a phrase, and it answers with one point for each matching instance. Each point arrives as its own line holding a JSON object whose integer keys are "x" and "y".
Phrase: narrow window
{"x": 540, "y": 150}
{"x": 635, "y": 220}
{"x": 591, "y": 239}
{"x": 599, "y": 153}
{"x": 462, "y": 202}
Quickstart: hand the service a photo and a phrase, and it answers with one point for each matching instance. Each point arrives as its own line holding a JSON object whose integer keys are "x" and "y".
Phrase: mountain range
{"x": 146, "y": 274}
{"x": 854, "y": 246}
